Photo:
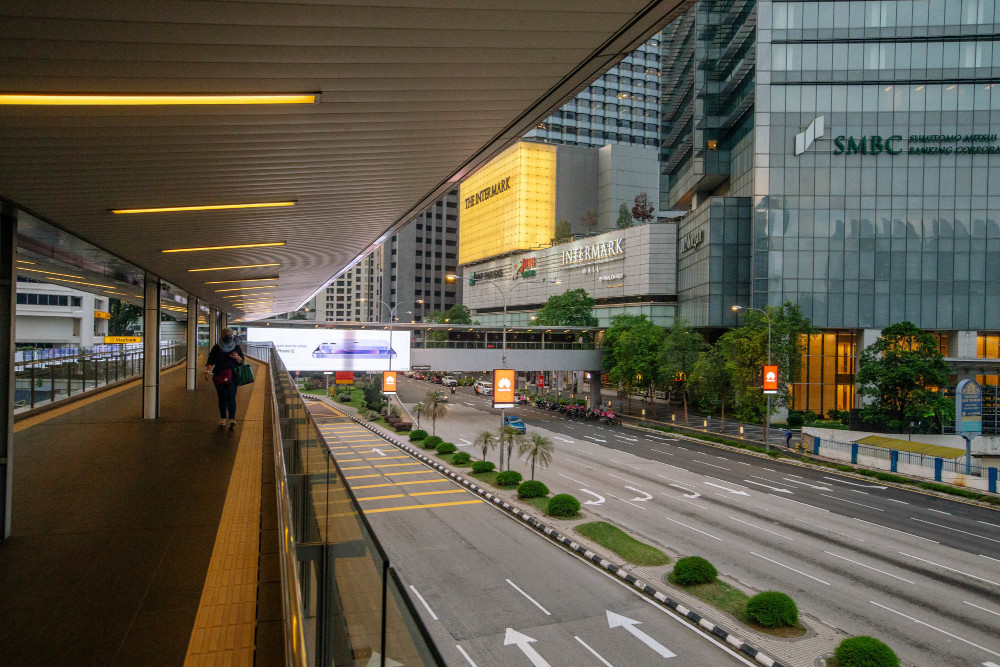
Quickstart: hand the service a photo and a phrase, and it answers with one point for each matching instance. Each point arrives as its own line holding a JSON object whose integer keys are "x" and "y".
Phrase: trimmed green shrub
{"x": 461, "y": 458}
{"x": 344, "y": 398}
{"x": 563, "y": 505}
{"x": 432, "y": 442}
{"x": 843, "y": 468}
{"x": 795, "y": 419}
{"x": 864, "y": 652}
{"x": 509, "y": 478}
{"x": 417, "y": 435}
{"x": 694, "y": 570}
{"x": 372, "y": 416}
{"x": 483, "y": 466}
{"x": 447, "y": 448}
{"x": 532, "y": 489}
{"x": 773, "y": 609}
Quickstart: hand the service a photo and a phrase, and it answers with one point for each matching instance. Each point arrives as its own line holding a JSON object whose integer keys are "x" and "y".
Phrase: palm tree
{"x": 539, "y": 449}
{"x": 510, "y": 436}
{"x": 487, "y": 440}
{"x": 417, "y": 409}
{"x": 434, "y": 408}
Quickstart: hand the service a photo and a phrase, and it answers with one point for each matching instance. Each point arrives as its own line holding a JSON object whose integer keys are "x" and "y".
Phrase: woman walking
{"x": 224, "y": 357}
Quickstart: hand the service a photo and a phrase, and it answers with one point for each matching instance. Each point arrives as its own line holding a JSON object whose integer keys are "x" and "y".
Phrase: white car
{"x": 449, "y": 381}
{"x": 483, "y": 388}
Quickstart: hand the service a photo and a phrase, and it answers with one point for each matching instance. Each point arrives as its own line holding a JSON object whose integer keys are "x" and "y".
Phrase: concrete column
{"x": 213, "y": 326}
{"x": 151, "y": 349}
{"x": 8, "y": 301}
{"x": 192, "y": 342}
{"x": 964, "y": 344}
{"x": 595, "y": 388}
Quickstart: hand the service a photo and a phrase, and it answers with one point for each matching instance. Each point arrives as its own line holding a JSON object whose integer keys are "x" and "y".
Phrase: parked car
{"x": 483, "y": 388}
{"x": 418, "y": 376}
{"x": 515, "y": 422}
{"x": 436, "y": 379}
{"x": 449, "y": 381}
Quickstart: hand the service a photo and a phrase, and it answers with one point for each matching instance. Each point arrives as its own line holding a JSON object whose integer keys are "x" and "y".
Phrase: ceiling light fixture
{"x": 226, "y": 268}
{"x": 50, "y": 273}
{"x": 241, "y": 280}
{"x": 242, "y": 289}
{"x": 34, "y": 99}
{"x": 79, "y": 282}
{"x": 206, "y": 207}
{"x": 227, "y": 247}
{"x": 21, "y": 261}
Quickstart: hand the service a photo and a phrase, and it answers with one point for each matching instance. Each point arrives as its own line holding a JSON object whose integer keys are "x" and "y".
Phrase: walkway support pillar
{"x": 8, "y": 300}
{"x": 213, "y": 326}
{"x": 595, "y": 389}
{"x": 192, "y": 342}
{"x": 151, "y": 349}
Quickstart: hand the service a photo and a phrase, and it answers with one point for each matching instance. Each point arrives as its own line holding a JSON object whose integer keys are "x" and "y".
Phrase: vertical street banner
{"x": 770, "y": 378}
{"x": 503, "y": 387}
{"x": 389, "y": 382}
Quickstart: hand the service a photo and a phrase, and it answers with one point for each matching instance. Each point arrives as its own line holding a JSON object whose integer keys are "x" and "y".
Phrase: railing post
{"x": 52, "y": 383}
{"x": 31, "y": 401}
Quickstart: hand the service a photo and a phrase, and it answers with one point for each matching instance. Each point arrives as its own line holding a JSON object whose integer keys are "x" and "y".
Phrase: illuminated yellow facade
{"x": 509, "y": 204}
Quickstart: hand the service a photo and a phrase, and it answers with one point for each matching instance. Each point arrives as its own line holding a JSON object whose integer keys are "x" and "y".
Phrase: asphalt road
{"x": 491, "y": 591}
{"x": 920, "y": 572}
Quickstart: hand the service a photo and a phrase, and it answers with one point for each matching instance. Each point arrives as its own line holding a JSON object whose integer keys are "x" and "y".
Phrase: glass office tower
{"x": 873, "y": 168}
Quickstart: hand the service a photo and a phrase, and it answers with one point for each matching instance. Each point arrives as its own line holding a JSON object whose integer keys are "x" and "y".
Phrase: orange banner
{"x": 503, "y": 387}
{"x": 770, "y": 377}
{"x": 388, "y": 382}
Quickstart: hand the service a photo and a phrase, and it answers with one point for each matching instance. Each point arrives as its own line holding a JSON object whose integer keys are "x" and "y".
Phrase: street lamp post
{"x": 767, "y": 417}
{"x": 392, "y": 318}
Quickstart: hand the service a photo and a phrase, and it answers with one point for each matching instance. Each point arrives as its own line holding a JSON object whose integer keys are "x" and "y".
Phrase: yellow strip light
{"x": 154, "y": 100}
{"x": 257, "y": 302}
{"x": 228, "y": 247}
{"x": 241, "y": 280}
{"x": 21, "y": 261}
{"x": 50, "y": 273}
{"x": 207, "y": 207}
{"x": 226, "y": 268}
{"x": 241, "y": 289}
{"x": 79, "y": 282}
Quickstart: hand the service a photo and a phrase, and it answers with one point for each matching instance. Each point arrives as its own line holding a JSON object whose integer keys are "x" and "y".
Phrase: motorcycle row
{"x": 604, "y": 416}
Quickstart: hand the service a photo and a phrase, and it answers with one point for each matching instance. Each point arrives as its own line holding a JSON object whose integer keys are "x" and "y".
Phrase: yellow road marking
{"x": 434, "y": 493}
{"x": 414, "y": 472}
{"x": 345, "y": 447}
{"x": 422, "y": 507}
{"x": 360, "y": 476}
{"x": 398, "y": 465}
{"x": 419, "y": 481}
{"x": 357, "y": 468}
{"x": 383, "y": 458}
{"x": 397, "y": 495}
{"x": 349, "y": 460}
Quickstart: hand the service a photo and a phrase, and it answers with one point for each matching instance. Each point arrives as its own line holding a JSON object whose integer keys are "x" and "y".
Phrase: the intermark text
{"x": 502, "y": 185}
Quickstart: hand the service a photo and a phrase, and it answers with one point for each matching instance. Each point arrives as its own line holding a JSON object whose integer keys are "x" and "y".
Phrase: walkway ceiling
{"x": 413, "y": 95}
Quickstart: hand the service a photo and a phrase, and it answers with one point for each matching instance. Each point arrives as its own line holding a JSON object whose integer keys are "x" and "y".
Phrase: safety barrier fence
{"x": 344, "y": 604}
{"x": 496, "y": 345}
{"x": 51, "y": 379}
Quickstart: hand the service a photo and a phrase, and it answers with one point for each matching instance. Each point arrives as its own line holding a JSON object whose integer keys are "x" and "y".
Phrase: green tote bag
{"x": 243, "y": 374}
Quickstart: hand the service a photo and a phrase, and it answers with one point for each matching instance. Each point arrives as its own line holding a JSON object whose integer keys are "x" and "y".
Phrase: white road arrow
{"x": 463, "y": 443}
{"x": 648, "y": 495}
{"x": 773, "y": 488}
{"x": 863, "y": 486}
{"x": 811, "y": 486}
{"x": 376, "y": 661}
{"x": 523, "y": 642}
{"x": 726, "y": 488}
{"x": 619, "y": 621}
{"x": 379, "y": 452}
{"x": 563, "y": 439}
{"x": 689, "y": 494}
{"x": 599, "y": 501}
{"x": 629, "y": 439}
{"x": 589, "y": 437}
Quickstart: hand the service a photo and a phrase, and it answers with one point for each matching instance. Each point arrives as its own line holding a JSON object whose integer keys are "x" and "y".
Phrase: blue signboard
{"x": 968, "y": 408}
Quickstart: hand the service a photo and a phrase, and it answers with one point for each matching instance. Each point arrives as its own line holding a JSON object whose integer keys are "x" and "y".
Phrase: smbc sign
{"x": 868, "y": 145}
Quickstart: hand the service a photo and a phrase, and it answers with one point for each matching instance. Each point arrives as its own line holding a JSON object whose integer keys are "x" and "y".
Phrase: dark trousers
{"x": 227, "y": 399}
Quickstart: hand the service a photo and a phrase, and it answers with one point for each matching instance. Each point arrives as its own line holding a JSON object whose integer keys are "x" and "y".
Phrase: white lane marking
{"x": 533, "y": 601}
{"x": 990, "y": 664}
{"x": 424, "y": 602}
{"x": 619, "y": 621}
{"x": 592, "y": 651}
{"x": 767, "y": 469}
{"x": 988, "y": 558}
{"x": 871, "y": 507}
{"x": 689, "y": 494}
{"x": 812, "y": 507}
{"x": 660, "y": 451}
{"x": 747, "y": 523}
{"x": 811, "y": 486}
{"x": 863, "y": 486}
{"x": 826, "y": 529}
{"x": 989, "y": 524}
{"x": 626, "y": 502}
{"x": 913, "y": 518}
{"x": 524, "y": 642}
{"x": 789, "y": 568}
{"x": 945, "y": 632}
{"x": 713, "y": 465}
{"x": 629, "y": 439}
{"x": 624, "y": 480}
{"x": 894, "y": 530}
{"x": 466, "y": 656}
{"x": 563, "y": 439}
{"x": 950, "y": 569}
{"x": 743, "y": 463}
{"x": 795, "y": 476}
{"x": 649, "y": 496}
{"x": 580, "y": 464}
{"x": 889, "y": 574}
{"x": 570, "y": 478}
{"x": 766, "y": 486}
{"x": 590, "y": 437}
{"x": 864, "y": 493}
{"x": 893, "y": 500}
{"x": 726, "y": 488}
{"x": 995, "y": 613}
{"x": 723, "y": 495}
{"x": 938, "y": 511}
{"x": 691, "y": 527}
{"x": 600, "y": 499}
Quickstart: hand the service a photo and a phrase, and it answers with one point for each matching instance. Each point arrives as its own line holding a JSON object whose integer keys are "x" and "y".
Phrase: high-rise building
{"x": 356, "y": 295}
{"x": 843, "y": 156}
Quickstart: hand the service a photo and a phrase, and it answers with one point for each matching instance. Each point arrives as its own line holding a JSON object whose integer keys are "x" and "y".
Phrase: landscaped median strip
{"x": 613, "y": 568}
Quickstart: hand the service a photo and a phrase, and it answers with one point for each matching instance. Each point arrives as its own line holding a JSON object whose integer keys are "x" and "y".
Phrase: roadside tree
{"x": 682, "y": 346}
{"x": 642, "y": 208}
{"x": 125, "y": 317}
{"x": 486, "y": 440}
{"x": 417, "y": 409}
{"x": 632, "y": 353}
{"x": 711, "y": 378}
{"x": 902, "y": 372}
{"x": 435, "y": 408}
{"x": 509, "y": 438}
{"x": 624, "y": 217}
{"x": 572, "y": 308}
{"x": 538, "y": 449}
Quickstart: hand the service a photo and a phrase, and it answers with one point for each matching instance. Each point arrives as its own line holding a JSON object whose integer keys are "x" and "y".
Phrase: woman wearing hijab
{"x": 224, "y": 357}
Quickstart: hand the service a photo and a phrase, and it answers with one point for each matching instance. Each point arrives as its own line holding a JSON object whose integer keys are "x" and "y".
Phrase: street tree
{"x": 417, "y": 409}
{"x": 711, "y": 377}
{"x": 746, "y": 349}
{"x": 902, "y": 372}
{"x": 572, "y": 308}
{"x": 537, "y": 449}
{"x": 564, "y": 231}
{"x": 624, "y": 217}
{"x": 642, "y": 208}
{"x": 124, "y": 317}
{"x": 486, "y": 440}
{"x": 510, "y": 438}
{"x": 632, "y": 353}
{"x": 682, "y": 346}
{"x": 435, "y": 408}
